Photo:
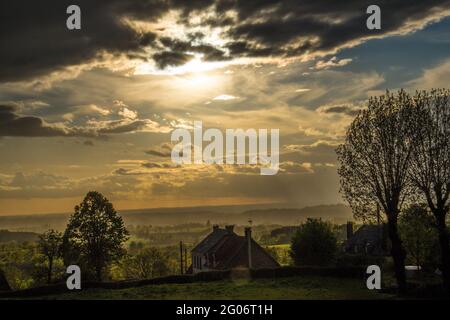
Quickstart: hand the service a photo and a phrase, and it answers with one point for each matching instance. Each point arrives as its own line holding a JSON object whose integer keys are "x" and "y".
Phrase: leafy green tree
{"x": 18, "y": 263}
{"x": 50, "y": 243}
{"x": 314, "y": 244}
{"x": 280, "y": 253}
{"x": 416, "y": 227}
{"x": 95, "y": 234}
{"x": 148, "y": 263}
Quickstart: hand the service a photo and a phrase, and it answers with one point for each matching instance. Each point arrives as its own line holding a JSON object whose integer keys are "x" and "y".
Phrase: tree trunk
{"x": 98, "y": 272}
{"x": 444, "y": 239}
{"x": 398, "y": 254}
{"x": 49, "y": 272}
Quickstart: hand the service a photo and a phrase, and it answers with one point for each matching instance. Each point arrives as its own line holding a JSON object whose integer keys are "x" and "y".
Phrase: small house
{"x": 223, "y": 249}
{"x": 369, "y": 239}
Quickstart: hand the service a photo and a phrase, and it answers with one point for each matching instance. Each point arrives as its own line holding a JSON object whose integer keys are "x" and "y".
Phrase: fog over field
{"x": 259, "y": 214}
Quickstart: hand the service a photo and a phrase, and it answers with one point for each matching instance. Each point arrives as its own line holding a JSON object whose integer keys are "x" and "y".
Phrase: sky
{"x": 93, "y": 109}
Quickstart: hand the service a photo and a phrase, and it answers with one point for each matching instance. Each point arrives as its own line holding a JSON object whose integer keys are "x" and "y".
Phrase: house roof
{"x": 226, "y": 250}
{"x": 372, "y": 234}
{"x": 212, "y": 239}
{"x": 233, "y": 253}
{"x": 230, "y": 250}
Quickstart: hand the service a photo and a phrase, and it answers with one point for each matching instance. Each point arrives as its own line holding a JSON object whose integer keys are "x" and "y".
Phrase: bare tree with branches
{"x": 50, "y": 243}
{"x": 374, "y": 162}
{"x": 430, "y": 165}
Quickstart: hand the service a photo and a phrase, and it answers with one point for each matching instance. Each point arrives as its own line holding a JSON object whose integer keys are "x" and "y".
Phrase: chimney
{"x": 248, "y": 237}
{"x": 229, "y": 228}
{"x": 215, "y": 227}
{"x": 349, "y": 229}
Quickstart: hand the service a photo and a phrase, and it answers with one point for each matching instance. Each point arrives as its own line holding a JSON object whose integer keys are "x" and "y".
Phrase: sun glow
{"x": 200, "y": 83}
{"x": 194, "y": 77}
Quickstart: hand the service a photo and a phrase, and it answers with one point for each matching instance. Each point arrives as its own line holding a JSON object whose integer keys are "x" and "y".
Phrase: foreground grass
{"x": 282, "y": 288}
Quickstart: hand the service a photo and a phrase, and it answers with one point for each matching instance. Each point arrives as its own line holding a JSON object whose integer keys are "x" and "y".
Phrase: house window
{"x": 197, "y": 262}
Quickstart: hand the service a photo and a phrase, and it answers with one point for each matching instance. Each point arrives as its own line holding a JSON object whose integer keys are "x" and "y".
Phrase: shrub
{"x": 314, "y": 244}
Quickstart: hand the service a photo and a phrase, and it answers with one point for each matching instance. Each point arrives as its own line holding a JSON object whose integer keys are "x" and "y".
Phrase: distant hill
{"x": 9, "y": 236}
{"x": 334, "y": 213}
{"x": 259, "y": 214}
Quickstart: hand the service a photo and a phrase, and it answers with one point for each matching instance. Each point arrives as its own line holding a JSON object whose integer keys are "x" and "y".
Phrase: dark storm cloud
{"x": 170, "y": 59}
{"x": 12, "y": 124}
{"x": 291, "y": 28}
{"x": 35, "y": 40}
{"x": 341, "y": 109}
{"x": 121, "y": 126}
{"x": 209, "y": 52}
{"x": 179, "y": 52}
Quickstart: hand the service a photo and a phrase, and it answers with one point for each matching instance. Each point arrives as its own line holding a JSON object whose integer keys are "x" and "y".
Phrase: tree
{"x": 50, "y": 246}
{"x": 430, "y": 168}
{"x": 95, "y": 234}
{"x": 374, "y": 162}
{"x": 148, "y": 263}
{"x": 4, "y": 285}
{"x": 314, "y": 243}
{"x": 416, "y": 227}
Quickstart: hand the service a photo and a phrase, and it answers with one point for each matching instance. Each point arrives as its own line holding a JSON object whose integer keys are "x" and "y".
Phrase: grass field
{"x": 282, "y": 288}
{"x": 286, "y": 246}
